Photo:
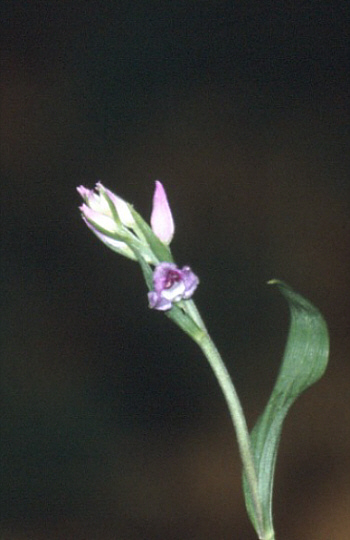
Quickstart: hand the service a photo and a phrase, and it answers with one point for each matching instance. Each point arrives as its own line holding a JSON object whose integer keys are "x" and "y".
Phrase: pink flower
{"x": 171, "y": 285}
{"x": 162, "y": 222}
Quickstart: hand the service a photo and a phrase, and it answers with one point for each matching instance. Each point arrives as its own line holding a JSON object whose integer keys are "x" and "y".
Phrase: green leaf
{"x": 162, "y": 251}
{"x": 304, "y": 362}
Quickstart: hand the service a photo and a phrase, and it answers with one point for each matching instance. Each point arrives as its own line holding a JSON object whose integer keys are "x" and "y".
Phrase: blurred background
{"x": 112, "y": 424}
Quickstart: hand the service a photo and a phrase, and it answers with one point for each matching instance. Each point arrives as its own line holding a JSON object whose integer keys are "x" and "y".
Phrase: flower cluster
{"x": 117, "y": 224}
{"x": 100, "y": 210}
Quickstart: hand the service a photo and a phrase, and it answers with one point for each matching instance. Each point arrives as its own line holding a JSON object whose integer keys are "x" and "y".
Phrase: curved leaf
{"x": 304, "y": 362}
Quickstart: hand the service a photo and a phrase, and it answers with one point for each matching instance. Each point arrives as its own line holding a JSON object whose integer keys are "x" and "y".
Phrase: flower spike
{"x": 116, "y": 223}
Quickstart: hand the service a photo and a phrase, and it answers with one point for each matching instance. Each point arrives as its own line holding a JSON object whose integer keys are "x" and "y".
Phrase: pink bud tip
{"x": 162, "y": 222}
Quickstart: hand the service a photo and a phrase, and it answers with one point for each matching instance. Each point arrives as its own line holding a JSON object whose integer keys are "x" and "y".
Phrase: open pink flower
{"x": 171, "y": 284}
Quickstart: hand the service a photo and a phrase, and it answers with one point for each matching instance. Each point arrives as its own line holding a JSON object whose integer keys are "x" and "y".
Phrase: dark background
{"x": 112, "y": 424}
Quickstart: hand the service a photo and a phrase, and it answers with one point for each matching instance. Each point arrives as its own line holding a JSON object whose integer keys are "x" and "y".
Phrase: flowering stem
{"x": 236, "y": 412}
{"x": 122, "y": 229}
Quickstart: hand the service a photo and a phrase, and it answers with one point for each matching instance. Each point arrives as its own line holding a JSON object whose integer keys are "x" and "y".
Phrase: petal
{"x": 174, "y": 293}
{"x": 115, "y": 245}
{"x": 162, "y": 222}
{"x": 120, "y": 205}
{"x": 190, "y": 281}
{"x": 98, "y": 219}
{"x": 157, "y": 302}
{"x": 160, "y": 274}
{"x": 93, "y": 199}
{"x": 84, "y": 192}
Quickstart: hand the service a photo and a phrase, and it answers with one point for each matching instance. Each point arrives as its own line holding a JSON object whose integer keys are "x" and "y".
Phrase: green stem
{"x": 236, "y": 412}
{"x": 238, "y": 419}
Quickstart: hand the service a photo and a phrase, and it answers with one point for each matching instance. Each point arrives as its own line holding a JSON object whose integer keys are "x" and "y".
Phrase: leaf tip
{"x": 275, "y": 282}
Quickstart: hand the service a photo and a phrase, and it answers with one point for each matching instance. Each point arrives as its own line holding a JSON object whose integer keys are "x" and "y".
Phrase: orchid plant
{"x": 117, "y": 224}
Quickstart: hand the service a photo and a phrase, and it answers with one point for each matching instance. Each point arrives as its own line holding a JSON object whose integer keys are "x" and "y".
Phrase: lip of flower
{"x": 171, "y": 284}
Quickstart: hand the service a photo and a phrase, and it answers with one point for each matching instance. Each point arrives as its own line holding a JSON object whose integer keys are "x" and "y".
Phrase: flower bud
{"x": 162, "y": 222}
{"x": 98, "y": 216}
